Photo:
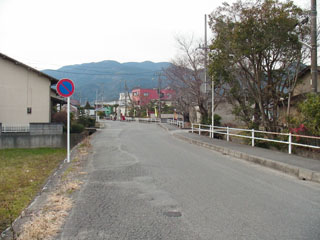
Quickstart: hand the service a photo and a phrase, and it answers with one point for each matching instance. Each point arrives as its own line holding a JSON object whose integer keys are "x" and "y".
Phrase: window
{"x": 146, "y": 94}
{"x": 29, "y": 110}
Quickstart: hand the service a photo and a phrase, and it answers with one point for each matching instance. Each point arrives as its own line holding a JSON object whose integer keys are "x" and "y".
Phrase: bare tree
{"x": 185, "y": 76}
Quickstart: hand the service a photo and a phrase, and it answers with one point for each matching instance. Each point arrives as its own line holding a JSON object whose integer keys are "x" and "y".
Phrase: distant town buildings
{"x": 143, "y": 96}
{"x": 138, "y": 97}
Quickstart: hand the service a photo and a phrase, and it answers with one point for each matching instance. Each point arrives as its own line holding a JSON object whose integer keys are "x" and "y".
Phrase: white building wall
{"x": 21, "y": 88}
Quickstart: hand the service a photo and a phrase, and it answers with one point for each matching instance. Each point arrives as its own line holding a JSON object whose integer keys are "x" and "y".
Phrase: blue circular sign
{"x": 65, "y": 87}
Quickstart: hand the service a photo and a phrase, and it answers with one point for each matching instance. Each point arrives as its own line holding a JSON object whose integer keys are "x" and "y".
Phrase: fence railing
{"x": 5, "y": 128}
{"x": 144, "y": 120}
{"x": 130, "y": 119}
{"x": 149, "y": 120}
{"x": 238, "y": 132}
{"x": 178, "y": 123}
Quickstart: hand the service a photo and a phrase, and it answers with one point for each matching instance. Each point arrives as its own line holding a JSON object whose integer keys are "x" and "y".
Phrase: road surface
{"x": 143, "y": 183}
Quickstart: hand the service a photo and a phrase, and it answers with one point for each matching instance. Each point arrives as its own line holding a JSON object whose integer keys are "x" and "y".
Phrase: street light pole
{"x": 314, "y": 64}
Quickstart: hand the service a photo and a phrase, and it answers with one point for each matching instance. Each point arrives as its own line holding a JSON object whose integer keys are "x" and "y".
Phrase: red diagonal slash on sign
{"x": 66, "y": 91}
{"x": 69, "y": 91}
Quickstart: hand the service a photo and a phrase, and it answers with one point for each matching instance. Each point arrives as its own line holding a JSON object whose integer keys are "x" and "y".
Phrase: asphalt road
{"x": 143, "y": 183}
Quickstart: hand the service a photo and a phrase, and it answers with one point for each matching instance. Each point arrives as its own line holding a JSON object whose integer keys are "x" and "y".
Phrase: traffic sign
{"x": 65, "y": 87}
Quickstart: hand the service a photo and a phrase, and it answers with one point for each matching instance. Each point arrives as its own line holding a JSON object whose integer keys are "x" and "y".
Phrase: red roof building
{"x": 143, "y": 96}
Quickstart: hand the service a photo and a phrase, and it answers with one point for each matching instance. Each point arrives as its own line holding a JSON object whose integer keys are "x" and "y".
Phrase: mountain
{"x": 107, "y": 79}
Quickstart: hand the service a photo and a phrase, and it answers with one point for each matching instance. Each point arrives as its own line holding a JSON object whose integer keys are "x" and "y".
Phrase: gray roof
{"x": 52, "y": 79}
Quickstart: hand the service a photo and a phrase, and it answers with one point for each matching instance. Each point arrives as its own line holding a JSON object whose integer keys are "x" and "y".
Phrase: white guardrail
{"x": 15, "y": 128}
{"x": 236, "y": 133}
{"x": 145, "y": 120}
{"x": 178, "y": 123}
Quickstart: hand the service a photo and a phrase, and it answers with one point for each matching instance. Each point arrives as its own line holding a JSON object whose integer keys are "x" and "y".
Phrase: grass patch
{"x": 22, "y": 173}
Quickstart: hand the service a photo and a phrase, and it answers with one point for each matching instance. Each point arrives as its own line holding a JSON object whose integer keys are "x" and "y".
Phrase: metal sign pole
{"x": 68, "y": 131}
{"x": 65, "y": 88}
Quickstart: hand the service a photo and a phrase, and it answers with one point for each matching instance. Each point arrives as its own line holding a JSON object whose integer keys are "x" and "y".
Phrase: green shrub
{"x": 207, "y": 121}
{"x": 77, "y": 128}
{"x": 310, "y": 110}
{"x": 86, "y": 121}
{"x": 101, "y": 114}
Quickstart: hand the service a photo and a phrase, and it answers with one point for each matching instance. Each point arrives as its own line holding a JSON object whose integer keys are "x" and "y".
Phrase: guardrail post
{"x": 252, "y": 137}
{"x": 199, "y": 126}
{"x": 228, "y": 134}
{"x": 210, "y": 131}
{"x": 290, "y": 143}
{"x": 213, "y": 131}
{"x": 192, "y": 127}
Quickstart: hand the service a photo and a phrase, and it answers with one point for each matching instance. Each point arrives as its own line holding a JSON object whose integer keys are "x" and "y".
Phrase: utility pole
{"x": 102, "y": 95}
{"x": 159, "y": 92}
{"x": 212, "y": 107}
{"x": 205, "y": 53}
{"x": 205, "y": 48}
{"x": 95, "y": 105}
{"x": 125, "y": 97}
{"x": 314, "y": 64}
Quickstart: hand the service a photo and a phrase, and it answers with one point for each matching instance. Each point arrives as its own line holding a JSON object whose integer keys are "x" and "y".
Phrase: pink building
{"x": 143, "y": 96}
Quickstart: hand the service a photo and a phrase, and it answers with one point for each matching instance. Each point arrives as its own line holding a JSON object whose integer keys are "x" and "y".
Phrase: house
{"x": 73, "y": 110}
{"x": 25, "y": 93}
{"x": 143, "y": 96}
{"x": 299, "y": 94}
{"x": 305, "y": 84}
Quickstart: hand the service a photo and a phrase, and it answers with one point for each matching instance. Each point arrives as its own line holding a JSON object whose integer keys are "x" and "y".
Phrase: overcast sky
{"x": 53, "y": 33}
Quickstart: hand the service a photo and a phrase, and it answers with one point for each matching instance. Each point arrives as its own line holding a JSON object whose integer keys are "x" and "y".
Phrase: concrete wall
{"x": 21, "y": 88}
{"x": 46, "y": 128}
{"x": 40, "y": 135}
{"x": 305, "y": 85}
{"x": 36, "y": 141}
{"x": 20, "y": 140}
{"x": 224, "y": 109}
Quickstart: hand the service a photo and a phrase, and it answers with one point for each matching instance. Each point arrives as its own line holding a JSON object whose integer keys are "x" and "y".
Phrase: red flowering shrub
{"x": 301, "y": 130}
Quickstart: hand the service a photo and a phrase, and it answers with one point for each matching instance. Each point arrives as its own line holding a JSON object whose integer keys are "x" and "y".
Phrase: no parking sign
{"x": 65, "y": 88}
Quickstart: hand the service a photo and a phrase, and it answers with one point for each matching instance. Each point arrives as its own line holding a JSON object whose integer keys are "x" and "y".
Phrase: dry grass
{"x": 48, "y": 221}
{"x": 22, "y": 173}
{"x": 46, "y": 224}
{"x": 70, "y": 187}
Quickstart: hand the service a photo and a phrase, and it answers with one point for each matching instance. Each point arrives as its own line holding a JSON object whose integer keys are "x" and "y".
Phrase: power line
{"x": 104, "y": 74}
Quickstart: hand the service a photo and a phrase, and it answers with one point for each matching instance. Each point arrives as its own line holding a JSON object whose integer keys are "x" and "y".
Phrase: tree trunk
{"x": 203, "y": 112}
{"x": 288, "y": 109}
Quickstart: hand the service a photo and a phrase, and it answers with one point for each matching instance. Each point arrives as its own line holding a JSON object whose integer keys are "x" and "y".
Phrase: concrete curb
{"x": 301, "y": 173}
{"x": 164, "y": 127}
